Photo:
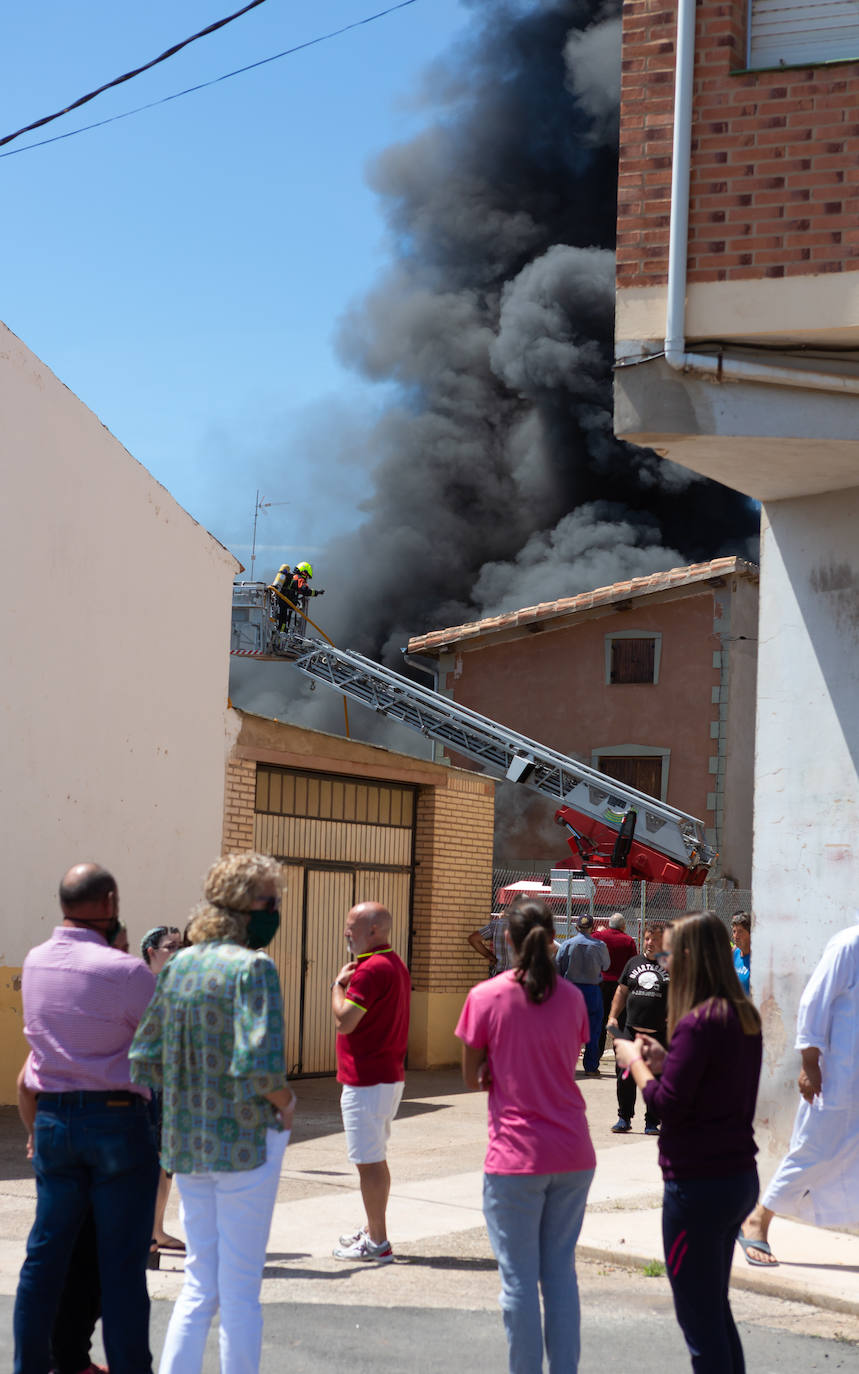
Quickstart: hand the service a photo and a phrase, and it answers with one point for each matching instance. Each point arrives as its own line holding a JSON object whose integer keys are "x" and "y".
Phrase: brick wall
{"x": 453, "y": 883}
{"x": 453, "y": 870}
{"x": 775, "y": 181}
{"x": 239, "y": 796}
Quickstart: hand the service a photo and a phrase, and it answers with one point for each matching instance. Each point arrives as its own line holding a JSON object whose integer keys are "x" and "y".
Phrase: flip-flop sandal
{"x": 170, "y": 1245}
{"x": 750, "y": 1246}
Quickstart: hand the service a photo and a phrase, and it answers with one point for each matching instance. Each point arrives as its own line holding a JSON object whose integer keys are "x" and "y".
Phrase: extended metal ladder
{"x": 503, "y": 751}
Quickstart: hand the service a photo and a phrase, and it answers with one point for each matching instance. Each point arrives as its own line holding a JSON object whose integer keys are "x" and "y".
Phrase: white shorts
{"x": 367, "y": 1115}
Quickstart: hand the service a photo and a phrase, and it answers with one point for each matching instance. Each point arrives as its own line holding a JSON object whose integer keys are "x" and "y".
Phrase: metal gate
{"x": 341, "y": 844}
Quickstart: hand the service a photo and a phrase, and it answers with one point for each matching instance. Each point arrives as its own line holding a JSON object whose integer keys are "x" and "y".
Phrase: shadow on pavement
{"x": 318, "y": 1111}
{"x": 472, "y": 1266}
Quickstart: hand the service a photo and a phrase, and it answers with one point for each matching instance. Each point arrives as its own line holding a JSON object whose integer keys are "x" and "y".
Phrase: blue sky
{"x": 183, "y": 271}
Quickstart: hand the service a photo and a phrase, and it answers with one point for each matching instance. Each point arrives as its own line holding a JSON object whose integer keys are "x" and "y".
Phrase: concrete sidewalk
{"x": 435, "y": 1217}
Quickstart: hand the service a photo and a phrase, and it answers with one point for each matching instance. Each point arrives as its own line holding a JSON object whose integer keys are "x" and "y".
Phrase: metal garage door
{"x": 342, "y": 842}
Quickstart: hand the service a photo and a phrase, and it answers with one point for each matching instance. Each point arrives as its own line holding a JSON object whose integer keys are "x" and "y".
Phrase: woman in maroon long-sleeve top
{"x": 703, "y": 1088}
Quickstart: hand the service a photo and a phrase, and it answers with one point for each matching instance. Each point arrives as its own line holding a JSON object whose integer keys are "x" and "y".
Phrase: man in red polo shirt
{"x": 621, "y": 948}
{"x": 370, "y": 1003}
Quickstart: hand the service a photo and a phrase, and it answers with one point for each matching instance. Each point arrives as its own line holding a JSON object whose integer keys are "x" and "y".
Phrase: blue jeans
{"x": 90, "y": 1150}
{"x": 534, "y": 1222}
{"x": 592, "y": 994}
{"x": 701, "y": 1219}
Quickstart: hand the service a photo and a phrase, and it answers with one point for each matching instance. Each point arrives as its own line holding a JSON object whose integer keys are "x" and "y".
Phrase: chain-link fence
{"x": 569, "y": 894}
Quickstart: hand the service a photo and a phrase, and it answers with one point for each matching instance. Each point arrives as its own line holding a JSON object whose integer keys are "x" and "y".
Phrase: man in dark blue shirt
{"x": 581, "y": 960}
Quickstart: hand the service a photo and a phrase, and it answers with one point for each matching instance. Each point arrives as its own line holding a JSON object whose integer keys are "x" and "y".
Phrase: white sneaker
{"x": 365, "y": 1249}
{"x": 352, "y": 1237}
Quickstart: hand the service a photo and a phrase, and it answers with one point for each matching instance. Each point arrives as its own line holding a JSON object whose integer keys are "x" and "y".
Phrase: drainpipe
{"x": 716, "y": 366}
{"x": 681, "y": 159}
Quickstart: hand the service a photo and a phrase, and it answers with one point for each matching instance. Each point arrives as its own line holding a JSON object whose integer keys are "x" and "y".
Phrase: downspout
{"x": 681, "y": 161}
{"x": 718, "y": 366}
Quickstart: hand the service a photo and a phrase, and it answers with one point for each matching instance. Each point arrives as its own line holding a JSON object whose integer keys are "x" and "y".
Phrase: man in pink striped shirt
{"x": 93, "y": 1139}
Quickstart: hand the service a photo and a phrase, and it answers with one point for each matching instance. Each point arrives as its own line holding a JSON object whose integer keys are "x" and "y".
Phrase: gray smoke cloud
{"x": 591, "y": 547}
{"x": 496, "y": 479}
{"x": 592, "y": 60}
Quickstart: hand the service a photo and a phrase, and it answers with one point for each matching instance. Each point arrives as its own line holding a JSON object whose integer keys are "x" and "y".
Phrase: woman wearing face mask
{"x": 212, "y": 1041}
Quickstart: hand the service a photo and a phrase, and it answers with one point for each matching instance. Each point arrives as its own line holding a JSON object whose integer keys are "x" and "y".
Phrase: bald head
{"x": 85, "y": 883}
{"x": 368, "y": 926}
{"x": 88, "y": 897}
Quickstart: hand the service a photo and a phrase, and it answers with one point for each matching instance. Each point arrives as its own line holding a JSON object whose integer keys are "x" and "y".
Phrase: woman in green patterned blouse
{"x": 211, "y": 1041}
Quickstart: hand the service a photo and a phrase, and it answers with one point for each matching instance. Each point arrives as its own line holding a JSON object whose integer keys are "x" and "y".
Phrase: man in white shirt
{"x": 818, "y": 1179}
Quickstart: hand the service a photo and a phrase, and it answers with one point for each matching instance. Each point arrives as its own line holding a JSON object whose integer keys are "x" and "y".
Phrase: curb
{"x": 750, "y": 1283}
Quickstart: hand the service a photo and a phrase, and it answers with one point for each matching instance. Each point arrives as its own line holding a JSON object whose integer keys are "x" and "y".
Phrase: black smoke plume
{"x": 497, "y": 480}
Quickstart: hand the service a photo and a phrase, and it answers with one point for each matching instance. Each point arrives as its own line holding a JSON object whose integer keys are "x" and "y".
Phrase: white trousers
{"x": 227, "y": 1218}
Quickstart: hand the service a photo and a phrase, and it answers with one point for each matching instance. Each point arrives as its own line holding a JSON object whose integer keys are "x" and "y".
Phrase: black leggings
{"x": 701, "y": 1219}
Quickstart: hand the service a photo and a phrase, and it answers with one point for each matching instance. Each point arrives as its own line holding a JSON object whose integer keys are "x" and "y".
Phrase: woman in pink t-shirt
{"x": 522, "y": 1034}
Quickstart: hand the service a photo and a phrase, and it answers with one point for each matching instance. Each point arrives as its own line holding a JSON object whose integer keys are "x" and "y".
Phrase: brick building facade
{"x": 774, "y": 189}
{"x": 353, "y": 822}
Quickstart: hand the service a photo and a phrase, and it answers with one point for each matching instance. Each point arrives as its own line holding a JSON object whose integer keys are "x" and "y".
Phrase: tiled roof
{"x": 672, "y": 579}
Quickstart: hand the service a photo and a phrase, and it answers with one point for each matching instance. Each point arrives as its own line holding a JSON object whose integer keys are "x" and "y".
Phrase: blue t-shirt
{"x": 744, "y": 968}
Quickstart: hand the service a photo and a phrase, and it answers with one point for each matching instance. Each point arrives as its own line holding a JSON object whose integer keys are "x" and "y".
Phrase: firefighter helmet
{"x": 304, "y": 568}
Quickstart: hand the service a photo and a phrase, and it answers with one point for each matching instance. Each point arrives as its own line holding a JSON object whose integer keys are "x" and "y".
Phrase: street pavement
{"x": 436, "y": 1306}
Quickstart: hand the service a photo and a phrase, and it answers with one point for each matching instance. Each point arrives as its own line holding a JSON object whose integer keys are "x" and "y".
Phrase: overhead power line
{"x": 118, "y": 80}
{"x": 189, "y": 90}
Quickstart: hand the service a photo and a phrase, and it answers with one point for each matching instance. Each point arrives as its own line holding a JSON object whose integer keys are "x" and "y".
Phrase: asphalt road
{"x": 621, "y": 1329}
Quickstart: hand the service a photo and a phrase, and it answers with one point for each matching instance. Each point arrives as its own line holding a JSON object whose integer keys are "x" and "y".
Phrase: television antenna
{"x": 259, "y": 506}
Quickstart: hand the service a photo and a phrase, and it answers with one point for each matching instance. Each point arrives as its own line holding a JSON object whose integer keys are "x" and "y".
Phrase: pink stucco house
{"x": 650, "y": 680}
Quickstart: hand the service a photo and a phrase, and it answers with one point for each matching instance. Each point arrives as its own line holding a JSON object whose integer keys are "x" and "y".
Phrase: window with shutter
{"x": 644, "y": 773}
{"x": 790, "y": 33}
{"x": 633, "y": 660}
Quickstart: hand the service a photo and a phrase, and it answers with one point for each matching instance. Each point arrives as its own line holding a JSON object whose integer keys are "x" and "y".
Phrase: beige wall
{"x": 115, "y": 629}
{"x": 785, "y": 310}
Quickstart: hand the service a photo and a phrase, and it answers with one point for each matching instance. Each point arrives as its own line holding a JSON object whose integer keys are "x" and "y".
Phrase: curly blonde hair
{"x": 231, "y": 889}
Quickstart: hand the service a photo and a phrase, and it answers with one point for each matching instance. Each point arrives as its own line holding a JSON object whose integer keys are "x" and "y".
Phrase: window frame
{"x": 770, "y": 61}
{"x": 655, "y": 635}
{"x": 626, "y": 751}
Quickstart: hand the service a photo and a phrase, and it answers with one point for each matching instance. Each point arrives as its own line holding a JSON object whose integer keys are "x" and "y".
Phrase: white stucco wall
{"x": 115, "y": 620}
{"x": 737, "y": 721}
{"x": 806, "y": 840}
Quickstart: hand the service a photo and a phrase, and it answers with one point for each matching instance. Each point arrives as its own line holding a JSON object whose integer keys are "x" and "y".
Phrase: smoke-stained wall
{"x": 497, "y": 479}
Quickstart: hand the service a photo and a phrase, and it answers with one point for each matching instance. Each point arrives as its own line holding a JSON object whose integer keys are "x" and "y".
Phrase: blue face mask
{"x": 263, "y": 924}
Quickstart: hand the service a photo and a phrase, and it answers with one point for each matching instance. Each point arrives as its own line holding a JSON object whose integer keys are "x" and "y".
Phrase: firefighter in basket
{"x": 298, "y": 591}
